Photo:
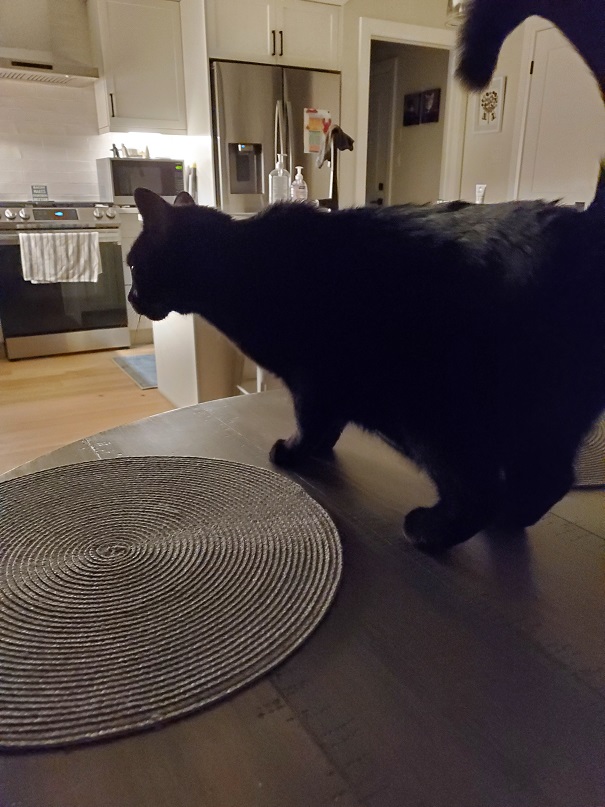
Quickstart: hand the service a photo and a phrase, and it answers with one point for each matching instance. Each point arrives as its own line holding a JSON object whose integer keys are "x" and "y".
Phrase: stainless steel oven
{"x": 48, "y": 318}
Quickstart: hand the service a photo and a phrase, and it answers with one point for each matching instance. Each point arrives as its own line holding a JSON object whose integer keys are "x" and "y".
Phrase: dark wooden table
{"x": 472, "y": 680}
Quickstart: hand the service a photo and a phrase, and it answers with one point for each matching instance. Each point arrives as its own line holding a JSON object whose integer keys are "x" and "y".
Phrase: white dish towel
{"x": 60, "y": 257}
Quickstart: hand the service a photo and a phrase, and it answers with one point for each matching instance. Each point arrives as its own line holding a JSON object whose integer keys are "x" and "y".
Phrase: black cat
{"x": 469, "y": 337}
{"x": 488, "y": 22}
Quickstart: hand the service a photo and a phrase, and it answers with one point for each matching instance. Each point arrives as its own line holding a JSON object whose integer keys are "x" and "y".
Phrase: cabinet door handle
{"x": 281, "y": 43}
{"x": 113, "y": 111}
{"x": 273, "y": 42}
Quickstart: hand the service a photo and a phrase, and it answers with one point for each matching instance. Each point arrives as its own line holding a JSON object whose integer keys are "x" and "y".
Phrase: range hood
{"x": 44, "y": 45}
{"x": 70, "y": 75}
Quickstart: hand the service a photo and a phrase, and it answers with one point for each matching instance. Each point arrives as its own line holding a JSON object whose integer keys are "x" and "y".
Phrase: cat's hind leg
{"x": 318, "y": 430}
{"x": 469, "y": 486}
{"x": 537, "y": 476}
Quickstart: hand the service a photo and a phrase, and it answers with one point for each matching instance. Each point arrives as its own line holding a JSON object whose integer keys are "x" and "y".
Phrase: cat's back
{"x": 507, "y": 247}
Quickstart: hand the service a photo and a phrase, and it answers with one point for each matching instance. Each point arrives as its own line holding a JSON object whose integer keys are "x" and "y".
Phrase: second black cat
{"x": 470, "y": 338}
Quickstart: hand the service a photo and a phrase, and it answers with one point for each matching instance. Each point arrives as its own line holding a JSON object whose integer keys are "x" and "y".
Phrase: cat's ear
{"x": 155, "y": 211}
{"x": 183, "y": 198}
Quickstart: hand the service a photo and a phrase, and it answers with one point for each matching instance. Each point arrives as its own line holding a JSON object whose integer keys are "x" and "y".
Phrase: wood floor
{"x": 49, "y": 402}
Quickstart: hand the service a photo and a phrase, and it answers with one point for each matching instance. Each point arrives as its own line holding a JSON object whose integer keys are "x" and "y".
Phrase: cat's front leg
{"x": 319, "y": 428}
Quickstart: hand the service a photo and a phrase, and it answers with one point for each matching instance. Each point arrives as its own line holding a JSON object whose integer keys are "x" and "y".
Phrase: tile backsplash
{"x": 49, "y": 136}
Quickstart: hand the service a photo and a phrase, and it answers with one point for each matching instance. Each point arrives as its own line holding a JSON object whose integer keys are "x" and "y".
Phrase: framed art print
{"x": 490, "y": 107}
{"x": 430, "y": 101}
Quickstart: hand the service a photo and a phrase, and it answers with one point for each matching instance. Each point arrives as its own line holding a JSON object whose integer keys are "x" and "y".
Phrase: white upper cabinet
{"x": 139, "y": 51}
{"x": 241, "y": 29}
{"x": 301, "y": 33}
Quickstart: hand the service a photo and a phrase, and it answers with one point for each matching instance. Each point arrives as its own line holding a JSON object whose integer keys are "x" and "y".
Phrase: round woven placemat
{"x": 590, "y": 463}
{"x": 136, "y": 590}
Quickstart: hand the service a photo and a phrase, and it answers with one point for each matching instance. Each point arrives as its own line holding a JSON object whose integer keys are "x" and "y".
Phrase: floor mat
{"x": 140, "y": 368}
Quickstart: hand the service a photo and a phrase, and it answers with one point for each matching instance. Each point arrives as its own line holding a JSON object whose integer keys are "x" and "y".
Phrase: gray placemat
{"x": 590, "y": 462}
{"x": 136, "y": 590}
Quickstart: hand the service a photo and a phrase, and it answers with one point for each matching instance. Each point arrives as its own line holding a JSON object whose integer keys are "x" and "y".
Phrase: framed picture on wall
{"x": 490, "y": 106}
{"x": 430, "y": 101}
{"x": 411, "y": 109}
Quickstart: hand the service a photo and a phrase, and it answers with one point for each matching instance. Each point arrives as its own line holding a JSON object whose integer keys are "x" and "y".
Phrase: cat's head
{"x": 166, "y": 259}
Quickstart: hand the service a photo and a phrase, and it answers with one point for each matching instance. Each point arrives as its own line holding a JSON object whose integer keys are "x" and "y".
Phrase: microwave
{"x": 120, "y": 176}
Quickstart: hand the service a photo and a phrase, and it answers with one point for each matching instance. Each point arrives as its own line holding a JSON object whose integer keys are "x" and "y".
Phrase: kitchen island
{"x": 475, "y": 678}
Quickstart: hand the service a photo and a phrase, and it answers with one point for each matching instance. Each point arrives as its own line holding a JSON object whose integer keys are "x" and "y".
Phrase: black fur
{"x": 470, "y": 337}
{"x": 488, "y": 23}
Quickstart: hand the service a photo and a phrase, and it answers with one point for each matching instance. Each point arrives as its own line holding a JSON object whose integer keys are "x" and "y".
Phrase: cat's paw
{"x": 429, "y": 530}
{"x": 283, "y": 454}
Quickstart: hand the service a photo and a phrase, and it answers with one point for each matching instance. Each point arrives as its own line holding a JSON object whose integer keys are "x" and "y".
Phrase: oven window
{"x": 32, "y": 309}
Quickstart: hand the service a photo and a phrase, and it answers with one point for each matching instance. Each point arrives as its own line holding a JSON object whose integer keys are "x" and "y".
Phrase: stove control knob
{"x": 24, "y": 214}
{"x": 111, "y": 214}
{"x": 10, "y": 214}
{"x": 97, "y": 213}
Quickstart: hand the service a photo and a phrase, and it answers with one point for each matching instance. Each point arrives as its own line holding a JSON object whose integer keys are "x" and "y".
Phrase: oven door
{"x": 44, "y": 319}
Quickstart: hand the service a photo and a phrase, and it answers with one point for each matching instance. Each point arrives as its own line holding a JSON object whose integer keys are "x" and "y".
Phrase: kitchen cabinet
{"x": 139, "y": 51}
{"x": 301, "y": 33}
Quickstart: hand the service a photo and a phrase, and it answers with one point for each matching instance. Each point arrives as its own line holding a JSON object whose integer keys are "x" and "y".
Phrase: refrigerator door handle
{"x": 221, "y": 129}
{"x": 290, "y": 130}
{"x": 276, "y": 132}
{"x": 280, "y": 129}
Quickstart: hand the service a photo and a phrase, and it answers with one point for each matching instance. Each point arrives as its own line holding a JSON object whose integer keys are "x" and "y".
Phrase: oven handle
{"x": 105, "y": 236}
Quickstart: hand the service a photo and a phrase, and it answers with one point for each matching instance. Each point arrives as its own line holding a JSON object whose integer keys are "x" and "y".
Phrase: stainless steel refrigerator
{"x": 260, "y": 111}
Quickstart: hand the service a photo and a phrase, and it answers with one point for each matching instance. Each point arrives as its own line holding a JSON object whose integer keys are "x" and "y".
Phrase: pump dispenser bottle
{"x": 298, "y": 188}
{"x": 279, "y": 181}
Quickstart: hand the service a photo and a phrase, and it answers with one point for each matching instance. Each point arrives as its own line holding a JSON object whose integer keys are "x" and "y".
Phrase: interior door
{"x": 309, "y": 89}
{"x": 380, "y": 132}
{"x": 565, "y": 131}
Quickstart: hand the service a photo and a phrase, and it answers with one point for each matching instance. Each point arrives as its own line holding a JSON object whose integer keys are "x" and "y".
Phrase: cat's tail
{"x": 487, "y": 23}
{"x": 597, "y": 206}
{"x": 485, "y": 27}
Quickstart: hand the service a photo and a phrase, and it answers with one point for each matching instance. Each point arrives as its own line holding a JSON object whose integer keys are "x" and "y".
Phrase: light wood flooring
{"x": 47, "y": 403}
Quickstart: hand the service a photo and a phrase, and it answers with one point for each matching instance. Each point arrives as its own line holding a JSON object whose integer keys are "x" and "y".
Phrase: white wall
{"x": 489, "y": 158}
{"x": 49, "y": 136}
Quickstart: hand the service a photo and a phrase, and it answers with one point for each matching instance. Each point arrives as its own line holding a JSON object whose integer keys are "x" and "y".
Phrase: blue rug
{"x": 140, "y": 368}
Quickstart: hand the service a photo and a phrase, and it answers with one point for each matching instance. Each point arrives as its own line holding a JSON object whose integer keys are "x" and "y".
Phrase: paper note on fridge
{"x": 317, "y": 123}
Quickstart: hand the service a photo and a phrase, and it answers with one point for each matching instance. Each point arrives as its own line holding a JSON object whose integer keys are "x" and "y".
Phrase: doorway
{"x": 406, "y": 123}
{"x": 454, "y": 109}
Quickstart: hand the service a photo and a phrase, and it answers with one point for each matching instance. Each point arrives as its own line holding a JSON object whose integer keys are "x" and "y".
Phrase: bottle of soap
{"x": 279, "y": 181}
{"x": 298, "y": 188}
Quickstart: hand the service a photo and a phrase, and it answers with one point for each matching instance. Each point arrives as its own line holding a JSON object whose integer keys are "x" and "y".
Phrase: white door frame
{"x": 455, "y": 107}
